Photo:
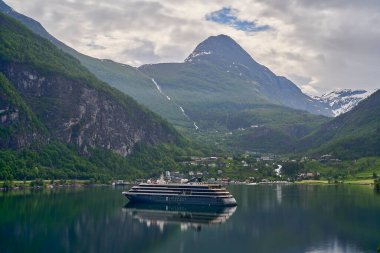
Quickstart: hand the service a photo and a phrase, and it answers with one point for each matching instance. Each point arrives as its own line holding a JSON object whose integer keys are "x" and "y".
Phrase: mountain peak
{"x": 221, "y": 40}
{"x": 219, "y": 48}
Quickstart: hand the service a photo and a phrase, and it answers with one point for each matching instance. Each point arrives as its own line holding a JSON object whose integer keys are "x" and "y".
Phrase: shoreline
{"x": 57, "y": 184}
{"x": 26, "y": 185}
{"x": 368, "y": 182}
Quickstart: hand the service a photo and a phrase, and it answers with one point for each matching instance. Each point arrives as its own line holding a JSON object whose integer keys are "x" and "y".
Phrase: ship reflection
{"x": 187, "y": 216}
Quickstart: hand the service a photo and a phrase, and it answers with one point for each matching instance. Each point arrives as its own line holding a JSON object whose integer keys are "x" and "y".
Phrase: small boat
{"x": 181, "y": 194}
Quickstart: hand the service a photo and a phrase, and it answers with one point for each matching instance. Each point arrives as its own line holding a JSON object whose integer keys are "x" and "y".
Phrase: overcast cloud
{"x": 320, "y": 44}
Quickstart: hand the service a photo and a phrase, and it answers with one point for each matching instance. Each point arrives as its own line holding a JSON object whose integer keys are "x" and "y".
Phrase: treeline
{"x": 58, "y": 161}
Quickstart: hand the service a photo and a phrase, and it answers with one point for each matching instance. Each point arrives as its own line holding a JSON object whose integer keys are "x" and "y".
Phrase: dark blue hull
{"x": 182, "y": 200}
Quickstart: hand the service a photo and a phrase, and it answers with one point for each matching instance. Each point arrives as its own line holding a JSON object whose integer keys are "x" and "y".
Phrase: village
{"x": 250, "y": 167}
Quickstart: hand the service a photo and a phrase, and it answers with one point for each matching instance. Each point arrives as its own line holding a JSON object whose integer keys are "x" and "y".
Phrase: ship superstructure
{"x": 191, "y": 193}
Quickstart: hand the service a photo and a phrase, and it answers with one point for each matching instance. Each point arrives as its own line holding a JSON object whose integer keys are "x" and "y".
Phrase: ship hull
{"x": 181, "y": 200}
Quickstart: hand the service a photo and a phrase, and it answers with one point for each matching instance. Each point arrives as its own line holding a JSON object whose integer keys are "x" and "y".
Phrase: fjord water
{"x": 269, "y": 218}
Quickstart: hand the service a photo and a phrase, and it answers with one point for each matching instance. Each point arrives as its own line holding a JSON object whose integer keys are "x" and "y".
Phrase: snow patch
{"x": 187, "y": 116}
{"x": 196, "y": 54}
{"x": 157, "y": 86}
{"x": 342, "y": 100}
{"x": 168, "y": 98}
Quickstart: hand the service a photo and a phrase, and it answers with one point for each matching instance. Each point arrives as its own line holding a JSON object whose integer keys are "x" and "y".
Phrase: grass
{"x": 367, "y": 174}
{"x": 350, "y": 182}
{"x": 360, "y": 181}
{"x": 312, "y": 182}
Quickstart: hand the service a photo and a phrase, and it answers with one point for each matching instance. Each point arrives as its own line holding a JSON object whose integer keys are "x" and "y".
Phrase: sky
{"x": 320, "y": 45}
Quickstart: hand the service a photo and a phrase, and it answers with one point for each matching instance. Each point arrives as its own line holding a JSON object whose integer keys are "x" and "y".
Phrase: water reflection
{"x": 187, "y": 216}
{"x": 269, "y": 219}
{"x": 279, "y": 193}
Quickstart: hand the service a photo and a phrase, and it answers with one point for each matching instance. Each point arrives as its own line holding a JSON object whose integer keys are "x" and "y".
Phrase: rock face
{"x": 123, "y": 77}
{"x": 76, "y": 113}
{"x": 18, "y": 125}
{"x": 343, "y": 100}
{"x": 46, "y": 90}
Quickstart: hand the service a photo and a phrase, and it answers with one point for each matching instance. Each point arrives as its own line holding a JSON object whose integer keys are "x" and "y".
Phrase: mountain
{"x": 227, "y": 52}
{"x": 219, "y": 90}
{"x": 223, "y": 90}
{"x": 49, "y": 101}
{"x": 209, "y": 94}
{"x": 224, "y": 53}
{"x": 219, "y": 76}
{"x": 343, "y": 100}
{"x": 121, "y": 76}
{"x": 351, "y": 135}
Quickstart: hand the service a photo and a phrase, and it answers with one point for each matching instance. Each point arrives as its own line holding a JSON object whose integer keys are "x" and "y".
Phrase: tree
{"x": 291, "y": 168}
{"x": 377, "y": 184}
{"x": 8, "y": 184}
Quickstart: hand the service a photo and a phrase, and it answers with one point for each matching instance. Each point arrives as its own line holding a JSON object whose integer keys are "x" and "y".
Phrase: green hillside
{"x": 58, "y": 120}
{"x": 219, "y": 92}
{"x": 350, "y": 135}
{"x": 137, "y": 85}
{"x": 222, "y": 103}
{"x": 123, "y": 77}
{"x": 272, "y": 129}
{"x": 19, "y": 45}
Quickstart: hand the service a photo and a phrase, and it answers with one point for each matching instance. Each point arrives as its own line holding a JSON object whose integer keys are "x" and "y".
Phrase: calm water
{"x": 268, "y": 219}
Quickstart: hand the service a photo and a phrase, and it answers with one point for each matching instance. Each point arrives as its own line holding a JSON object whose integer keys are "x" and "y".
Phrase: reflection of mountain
{"x": 186, "y": 216}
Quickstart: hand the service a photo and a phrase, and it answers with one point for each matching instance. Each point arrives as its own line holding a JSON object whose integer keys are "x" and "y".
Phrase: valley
{"x": 189, "y": 126}
{"x": 68, "y": 115}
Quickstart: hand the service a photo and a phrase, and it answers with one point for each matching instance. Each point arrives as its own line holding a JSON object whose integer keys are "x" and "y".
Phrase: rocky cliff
{"x": 19, "y": 127}
{"x": 71, "y": 103}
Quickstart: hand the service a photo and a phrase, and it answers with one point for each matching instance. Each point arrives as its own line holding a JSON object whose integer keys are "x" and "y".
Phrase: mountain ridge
{"x": 74, "y": 106}
{"x": 228, "y": 56}
{"x": 220, "y": 95}
{"x": 343, "y": 100}
{"x": 353, "y": 134}
{"x": 122, "y": 80}
{"x": 126, "y": 78}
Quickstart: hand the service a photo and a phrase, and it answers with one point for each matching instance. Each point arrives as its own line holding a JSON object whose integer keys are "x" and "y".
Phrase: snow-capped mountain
{"x": 220, "y": 71}
{"x": 343, "y": 100}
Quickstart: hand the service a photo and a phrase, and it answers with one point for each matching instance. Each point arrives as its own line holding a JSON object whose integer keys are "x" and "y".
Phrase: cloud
{"x": 228, "y": 16}
{"x": 309, "y": 90}
{"x": 95, "y": 46}
{"x": 143, "y": 51}
{"x": 332, "y": 42}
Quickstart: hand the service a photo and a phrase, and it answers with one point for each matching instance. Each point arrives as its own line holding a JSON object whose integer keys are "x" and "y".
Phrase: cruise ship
{"x": 182, "y": 194}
